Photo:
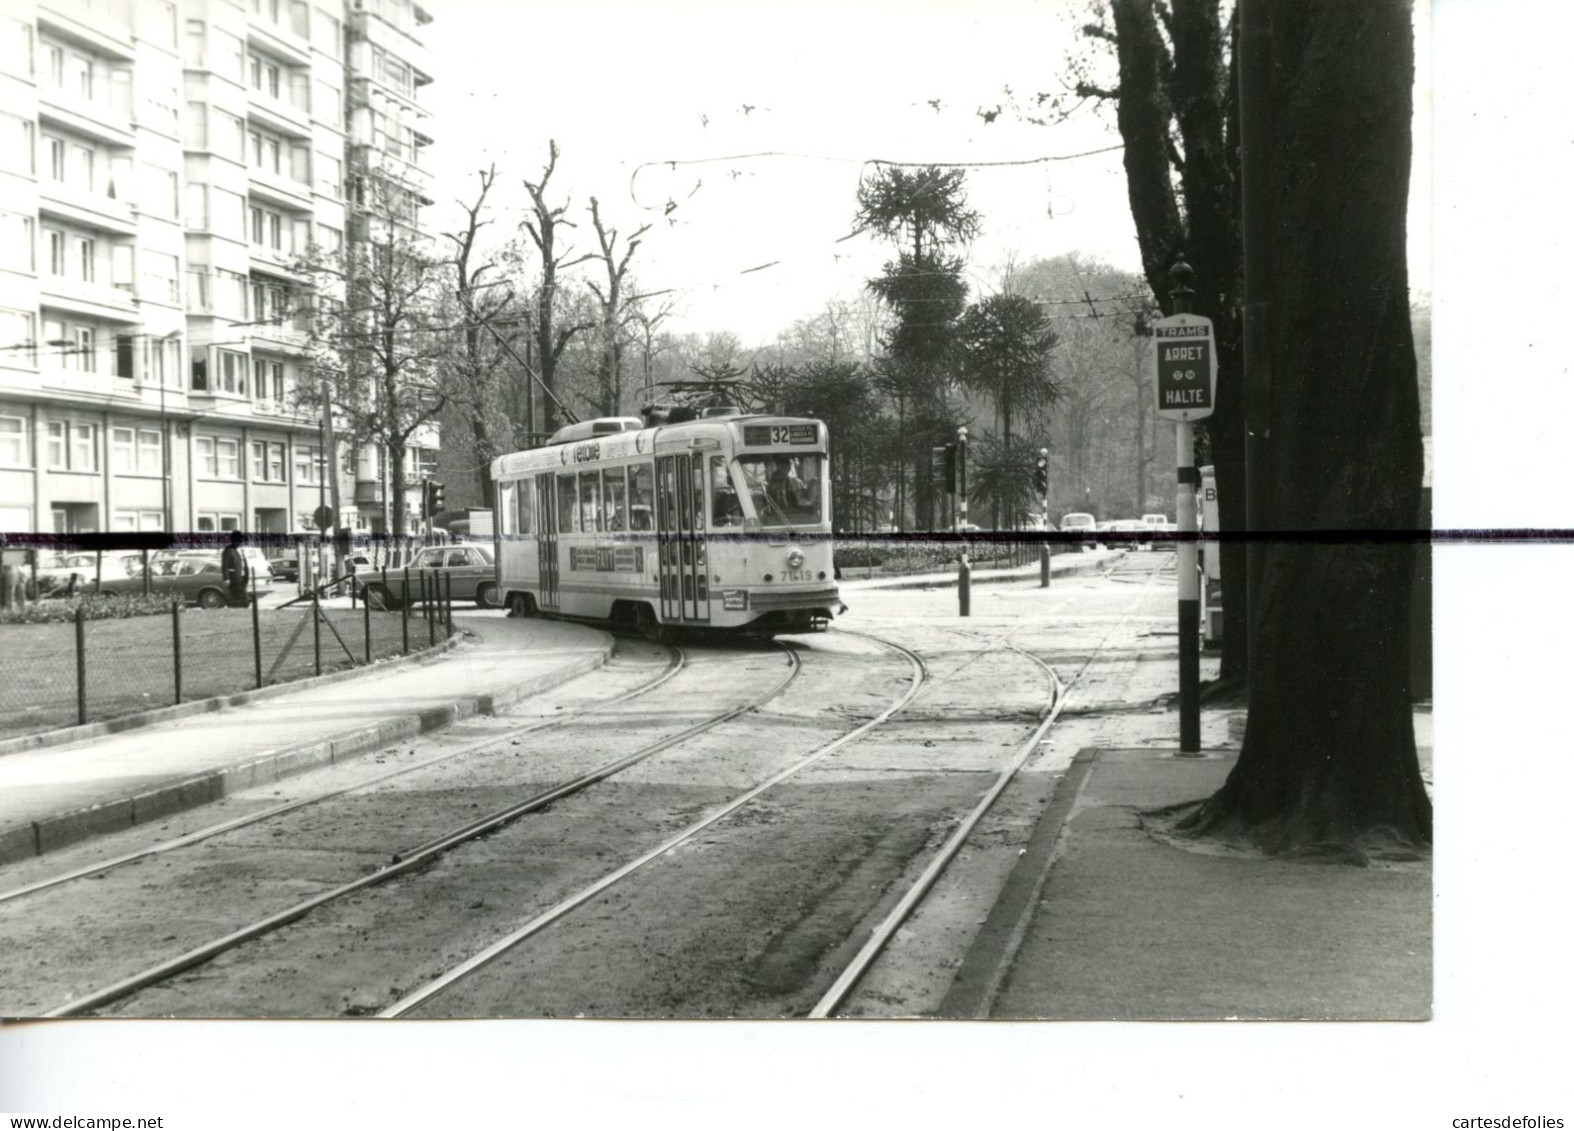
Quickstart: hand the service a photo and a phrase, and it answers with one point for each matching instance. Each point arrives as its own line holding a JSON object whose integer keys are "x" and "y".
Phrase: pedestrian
{"x": 235, "y": 568}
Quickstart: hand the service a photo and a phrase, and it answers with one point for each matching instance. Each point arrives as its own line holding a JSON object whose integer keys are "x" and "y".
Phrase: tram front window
{"x": 785, "y": 490}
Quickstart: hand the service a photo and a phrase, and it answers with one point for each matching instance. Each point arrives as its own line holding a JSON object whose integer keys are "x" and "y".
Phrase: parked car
{"x": 470, "y": 569}
{"x": 196, "y": 578}
{"x": 1126, "y": 526}
{"x": 1157, "y": 521}
{"x": 261, "y": 567}
{"x": 1079, "y": 522}
{"x": 286, "y": 569}
{"x": 56, "y": 571}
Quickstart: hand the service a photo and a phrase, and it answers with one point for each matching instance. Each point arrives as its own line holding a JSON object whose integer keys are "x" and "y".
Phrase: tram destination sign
{"x": 766, "y": 435}
{"x": 1185, "y": 367}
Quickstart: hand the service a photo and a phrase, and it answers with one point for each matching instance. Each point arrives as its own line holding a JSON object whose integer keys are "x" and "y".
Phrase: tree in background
{"x": 381, "y": 352}
{"x": 613, "y": 309}
{"x": 1329, "y": 758}
{"x": 924, "y": 212}
{"x": 479, "y": 368}
{"x": 550, "y": 341}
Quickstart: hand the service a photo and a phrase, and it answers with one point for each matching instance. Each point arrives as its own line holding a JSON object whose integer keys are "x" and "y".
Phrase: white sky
{"x": 626, "y": 86}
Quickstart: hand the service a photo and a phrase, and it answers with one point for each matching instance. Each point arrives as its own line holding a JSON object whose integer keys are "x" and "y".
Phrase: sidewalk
{"x": 53, "y": 796}
{"x": 1101, "y": 920}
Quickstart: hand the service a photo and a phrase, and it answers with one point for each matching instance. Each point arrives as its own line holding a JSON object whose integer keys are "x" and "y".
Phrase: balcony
{"x": 279, "y": 189}
{"x": 86, "y": 207}
{"x": 91, "y": 300}
{"x": 279, "y": 114}
{"x": 279, "y": 40}
{"x": 291, "y": 337}
{"x": 96, "y": 118}
{"x": 102, "y": 25}
{"x": 397, "y": 38}
{"x": 368, "y": 491}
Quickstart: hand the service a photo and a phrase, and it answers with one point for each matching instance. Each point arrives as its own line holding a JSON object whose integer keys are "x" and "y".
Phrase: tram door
{"x": 680, "y": 538}
{"x": 546, "y": 540}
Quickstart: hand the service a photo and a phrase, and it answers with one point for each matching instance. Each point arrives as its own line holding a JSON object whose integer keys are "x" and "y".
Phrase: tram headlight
{"x": 795, "y": 559}
{"x": 735, "y": 599}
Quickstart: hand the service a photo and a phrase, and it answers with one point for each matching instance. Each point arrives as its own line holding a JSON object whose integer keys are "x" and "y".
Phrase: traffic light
{"x": 436, "y": 489}
{"x": 950, "y": 469}
{"x": 1041, "y": 475}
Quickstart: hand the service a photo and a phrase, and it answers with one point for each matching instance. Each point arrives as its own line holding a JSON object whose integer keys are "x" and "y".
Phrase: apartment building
{"x": 163, "y": 166}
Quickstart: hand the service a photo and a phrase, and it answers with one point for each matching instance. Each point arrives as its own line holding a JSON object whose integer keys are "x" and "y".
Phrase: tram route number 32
{"x": 759, "y": 435}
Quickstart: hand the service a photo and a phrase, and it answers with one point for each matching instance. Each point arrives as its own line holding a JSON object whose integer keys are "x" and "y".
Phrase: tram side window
{"x": 589, "y": 500}
{"x": 614, "y": 495}
{"x": 505, "y": 509}
{"x": 697, "y": 482}
{"x": 642, "y": 497}
{"x": 526, "y": 491}
{"x": 565, "y": 504}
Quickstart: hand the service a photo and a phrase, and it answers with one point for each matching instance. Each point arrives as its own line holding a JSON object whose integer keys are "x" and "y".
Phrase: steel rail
{"x": 675, "y": 664}
{"x": 503, "y": 945}
{"x": 407, "y": 862}
{"x": 883, "y": 933}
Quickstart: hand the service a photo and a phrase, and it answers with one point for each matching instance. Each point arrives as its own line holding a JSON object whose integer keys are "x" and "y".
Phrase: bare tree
{"x": 550, "y": 342}
{"x": 613, "y": 308}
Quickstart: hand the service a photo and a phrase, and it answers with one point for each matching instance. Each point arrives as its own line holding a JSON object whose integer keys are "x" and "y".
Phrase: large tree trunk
{"x": 1329, "y": 756}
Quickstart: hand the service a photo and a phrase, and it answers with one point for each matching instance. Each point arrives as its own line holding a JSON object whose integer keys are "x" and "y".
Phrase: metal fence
{"x": 86, "y": 669}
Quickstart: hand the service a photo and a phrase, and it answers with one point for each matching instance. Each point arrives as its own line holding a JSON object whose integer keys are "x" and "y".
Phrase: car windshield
{"x": 786, "y": 490}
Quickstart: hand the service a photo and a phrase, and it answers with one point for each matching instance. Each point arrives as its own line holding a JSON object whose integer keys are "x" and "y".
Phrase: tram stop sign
{"x": 1186, "y": 366}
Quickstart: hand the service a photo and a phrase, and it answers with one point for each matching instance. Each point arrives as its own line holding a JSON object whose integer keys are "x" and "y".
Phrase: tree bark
{"x": 1329, "y": 755}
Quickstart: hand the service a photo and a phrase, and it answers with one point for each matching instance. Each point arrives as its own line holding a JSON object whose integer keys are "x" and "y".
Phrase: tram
{"x": 720, "y": 523}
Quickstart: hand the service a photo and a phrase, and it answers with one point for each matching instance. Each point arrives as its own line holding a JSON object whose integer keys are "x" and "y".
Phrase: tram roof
{"x": 624, "y": 445}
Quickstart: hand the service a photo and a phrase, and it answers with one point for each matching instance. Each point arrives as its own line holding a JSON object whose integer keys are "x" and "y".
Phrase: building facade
{"x": 164, "y": 165}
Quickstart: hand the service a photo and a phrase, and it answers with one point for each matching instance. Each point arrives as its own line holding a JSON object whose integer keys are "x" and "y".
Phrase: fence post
{"x": 174, "y": 611}
{"x": 449, "y": 579}
{"x": 147, "y": 578}
{"x": 366, "y": 612}
{"x": 431, "y": 610}
{"x": 404, "y": 611}
{"x": 316, "y": 632}
{"x": 256, "y": 631}
{"x": 82, "y": 665}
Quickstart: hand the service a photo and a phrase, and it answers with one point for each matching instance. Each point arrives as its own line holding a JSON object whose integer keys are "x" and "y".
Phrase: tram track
{"x": 405, "y": 860}
{"x": 921, "y": 680}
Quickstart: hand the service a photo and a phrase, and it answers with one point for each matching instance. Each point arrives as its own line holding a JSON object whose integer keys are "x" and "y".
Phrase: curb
{"x": 36, "y": 838}
{"x": 65, "y": 736}
{"x": 988, "y": 959}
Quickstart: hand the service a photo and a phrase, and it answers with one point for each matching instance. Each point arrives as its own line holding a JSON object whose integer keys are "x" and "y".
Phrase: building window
{"x": 150, "y": 452}
{"x": 196, "y": 43}
{"x": 86, "y": 350}
{"x": 57, "y": 251}
{"x": 214, "y": 521}
{"x": 267, "y": 462}
{"x": 123, "y": 450}
{"x": 199, "y": 371}
{"x": 16, "y": 47}
{"x": 83, "y": 259}
{"x": 207, "y": 458}
{"x": 16, "y": 332}
{"x": 229, "y": 458}
{"x": 125, "y": 355}
{"x": 308, "y": 464}
{"x": 13, "y": 441}
{"x": 84, "y": 447}
{"x": 16, "y": 242}
{"x": 232, "y": 372}
{"x": 16, "y": 144}
{"x": 79, "y": 173}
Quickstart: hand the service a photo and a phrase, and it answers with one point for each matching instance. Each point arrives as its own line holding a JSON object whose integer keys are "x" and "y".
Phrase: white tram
{"x": 718, "y": 523}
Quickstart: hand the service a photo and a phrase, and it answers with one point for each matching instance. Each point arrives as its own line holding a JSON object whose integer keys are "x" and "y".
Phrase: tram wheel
{"x": 519, "y": 605}
{"x": 650, "y": 628}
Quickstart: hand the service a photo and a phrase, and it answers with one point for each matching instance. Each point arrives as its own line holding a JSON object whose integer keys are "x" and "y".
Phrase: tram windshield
{"x": 786, "y": 490}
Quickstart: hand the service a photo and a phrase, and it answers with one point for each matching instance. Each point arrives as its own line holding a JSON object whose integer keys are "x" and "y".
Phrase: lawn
{"x": 130, "y": 663}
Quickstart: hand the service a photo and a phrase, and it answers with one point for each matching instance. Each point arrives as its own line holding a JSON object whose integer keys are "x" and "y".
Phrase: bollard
{"x": 366, "y": 612}
{"x": 404, "y": 612}
{"x": 431, "y": 609}
{"x": 174, "y": 611}
{"x": 147, "y": 578}
{"x": 964, "y": 586}
{"x": 316, "y": 632}
{"x": 449, "y": 579}
{"x": 81, "y": 665}
{"x": 1043, "y": 566}
{"x": 256, "y": 632}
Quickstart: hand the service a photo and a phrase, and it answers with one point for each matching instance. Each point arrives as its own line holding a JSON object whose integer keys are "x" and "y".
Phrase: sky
{"x": 756, "y": 120}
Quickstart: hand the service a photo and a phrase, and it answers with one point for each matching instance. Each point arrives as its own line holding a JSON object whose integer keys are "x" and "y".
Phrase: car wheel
{"x": 379, "y": 598}
{"x": 486, "y": 596}
{"x": 212, "y": 599}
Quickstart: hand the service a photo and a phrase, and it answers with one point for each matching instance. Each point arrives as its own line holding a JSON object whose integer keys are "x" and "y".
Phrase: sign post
{"x": 1185, "y": 378}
